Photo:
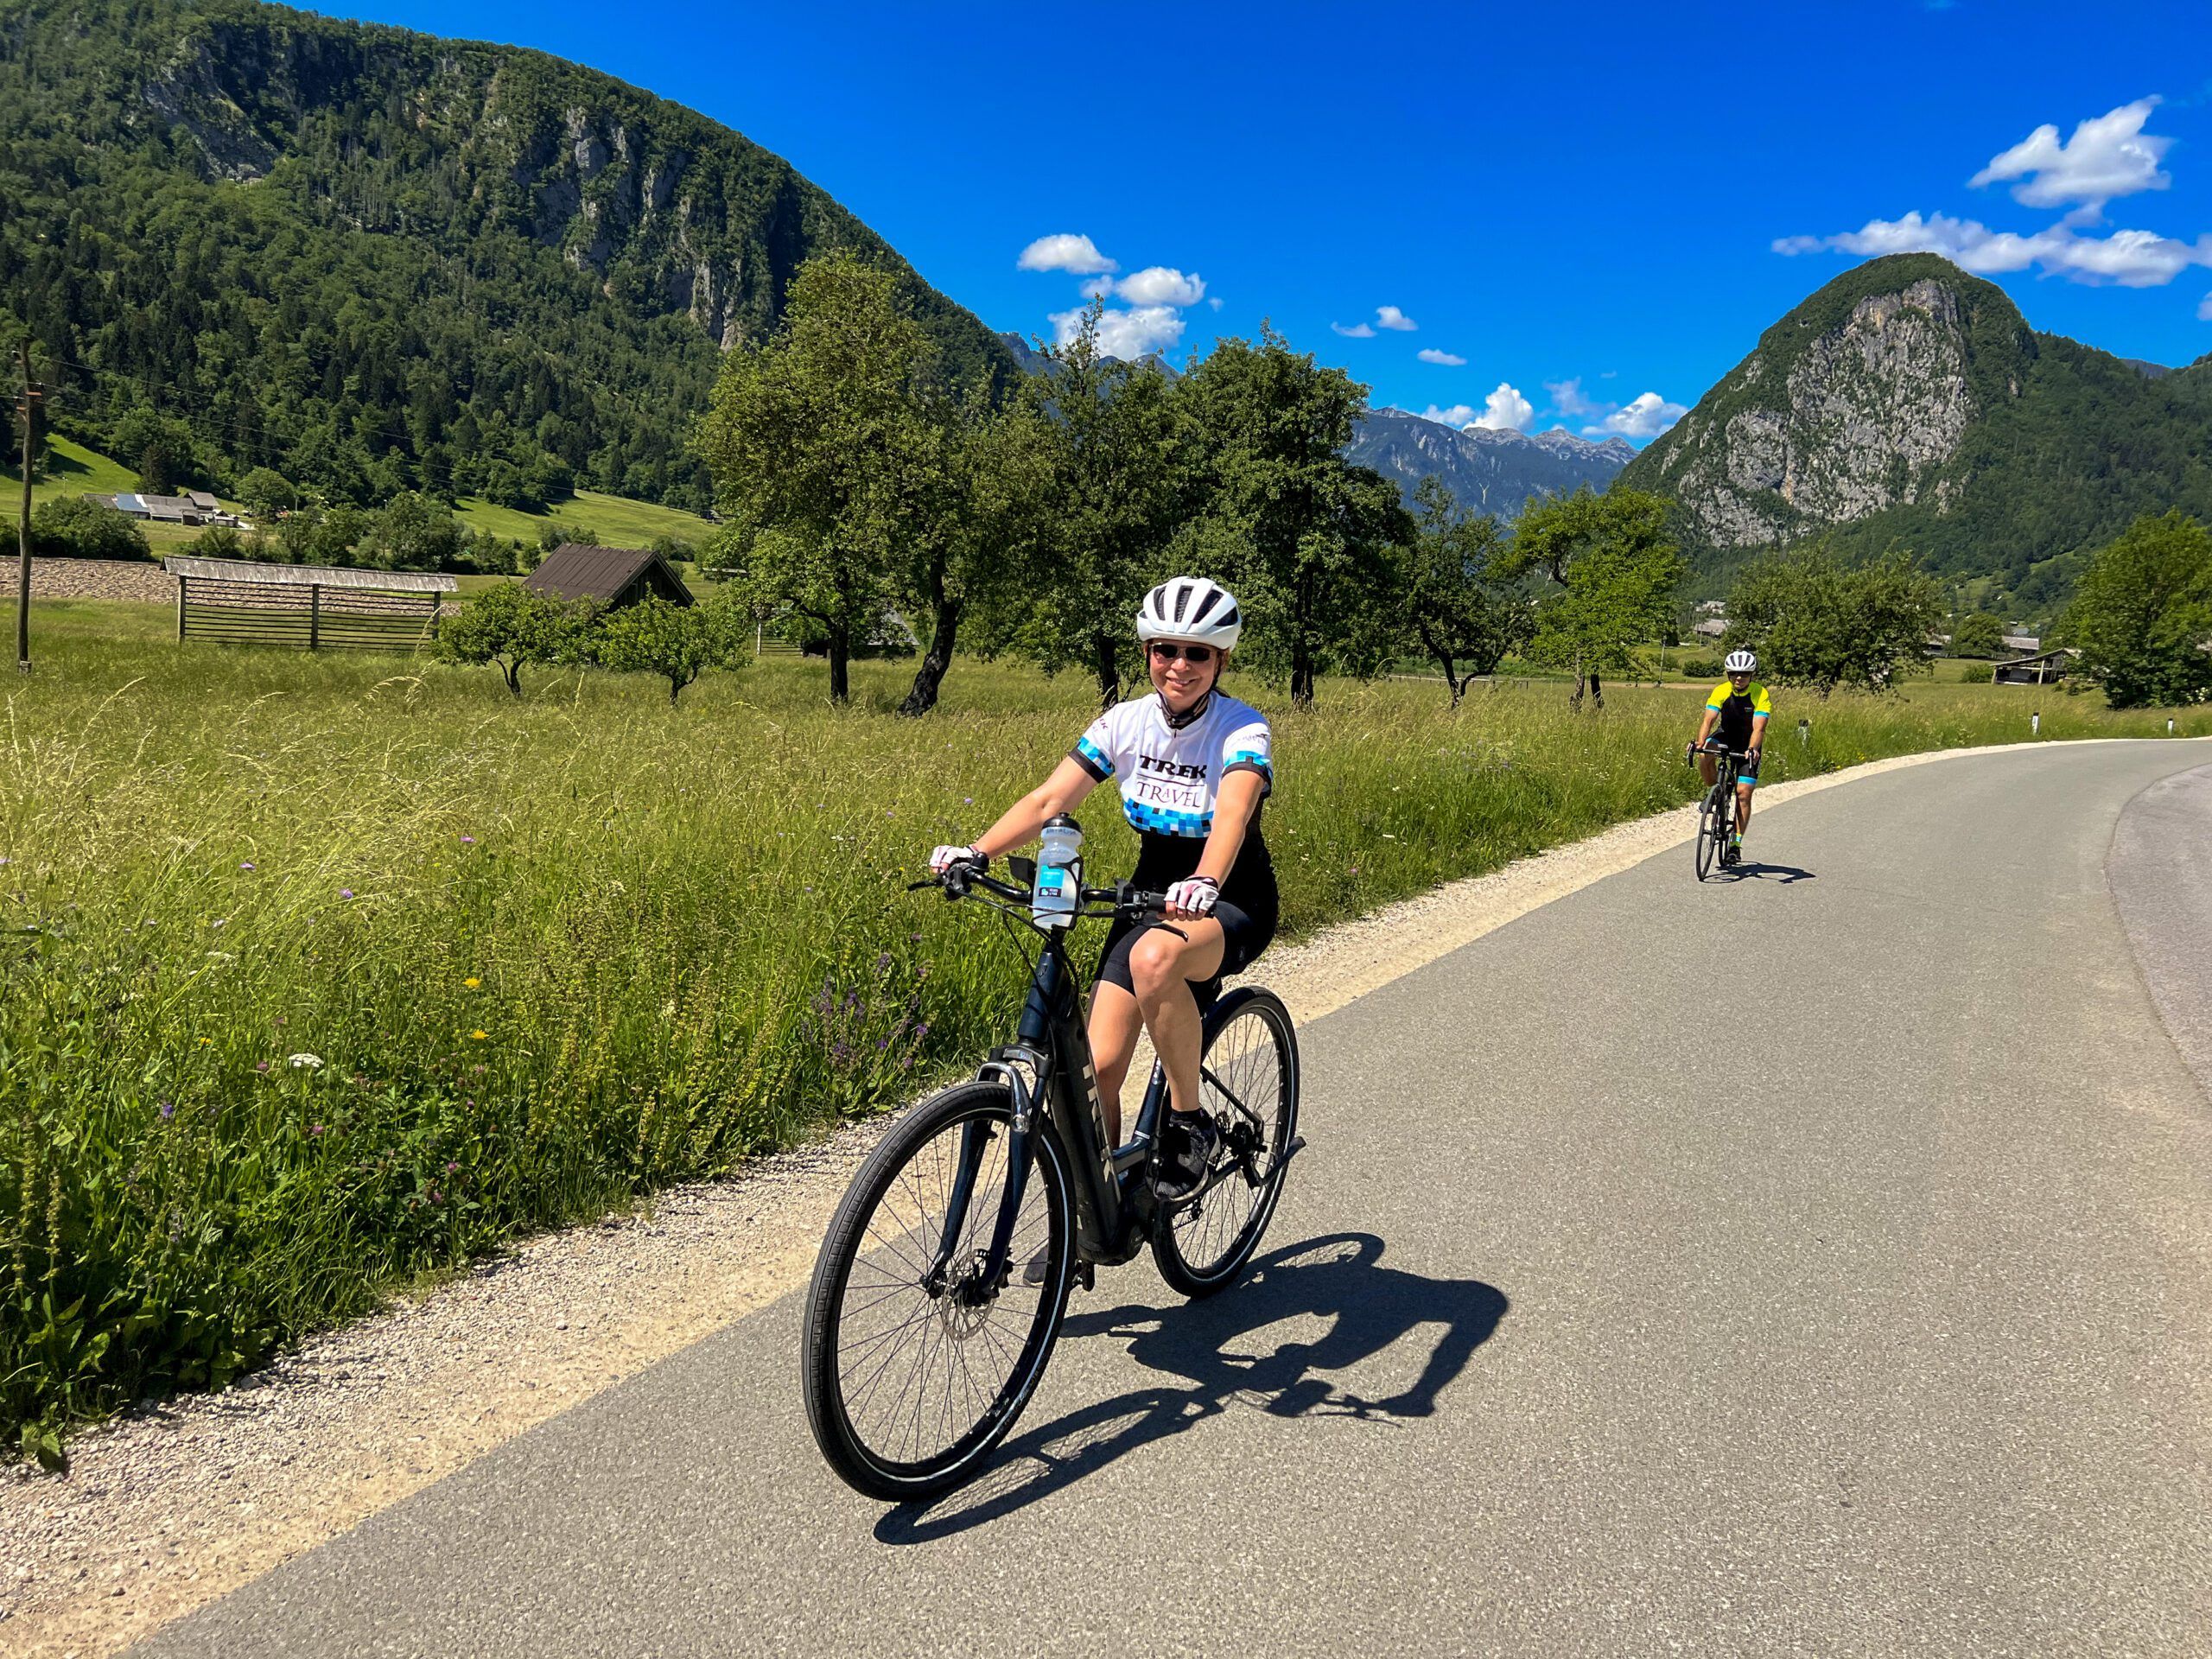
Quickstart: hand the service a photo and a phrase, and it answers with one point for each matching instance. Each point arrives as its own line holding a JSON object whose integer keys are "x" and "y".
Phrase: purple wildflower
{"x": 314, "y": 1128}
{"x": 468, "y": 841}
{"x": 246, "y": 866}
{"x": 451, "y": 1166}
{"x": 262, "y": 1066}
{"x": 169, "y": 1109}
{"x": 345, "y": 892}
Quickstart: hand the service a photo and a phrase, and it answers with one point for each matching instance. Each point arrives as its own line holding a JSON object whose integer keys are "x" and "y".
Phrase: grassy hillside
{"x": 607, "y": 519}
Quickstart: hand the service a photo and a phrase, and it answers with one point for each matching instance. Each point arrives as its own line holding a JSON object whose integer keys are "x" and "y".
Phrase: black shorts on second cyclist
{"x": 1242, "y": 938}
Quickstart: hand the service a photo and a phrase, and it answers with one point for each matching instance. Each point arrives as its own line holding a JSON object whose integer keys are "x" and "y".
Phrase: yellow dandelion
{"x": 206, "y": 1042}
{"x": 480, "y": 1035}
{"x": 472, "y": 983}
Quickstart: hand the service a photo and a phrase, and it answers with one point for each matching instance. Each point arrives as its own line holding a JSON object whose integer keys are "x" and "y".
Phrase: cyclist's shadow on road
{"x": 1202, "y": 1346}
{"x": 1785, "y": 874}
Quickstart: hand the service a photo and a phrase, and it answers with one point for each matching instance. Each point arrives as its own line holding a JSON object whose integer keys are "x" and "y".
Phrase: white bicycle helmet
{"x": 1192, "y": 608}
{"x": 1742, "y": 661}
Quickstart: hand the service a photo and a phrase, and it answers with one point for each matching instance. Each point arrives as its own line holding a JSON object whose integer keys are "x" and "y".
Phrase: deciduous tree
{"x": 1818, "y": 622}
{"x": 512, "y": 629}
{"x": 1977, "y": 635}
{"x": 1613, "y": 571}
{"x": 1304, "y": 535}
{"x": 815, "y": 439}
{"x": 1456, "y": 604}
{"x": 2142, "y": 613}
{"x": 677, "y": 642}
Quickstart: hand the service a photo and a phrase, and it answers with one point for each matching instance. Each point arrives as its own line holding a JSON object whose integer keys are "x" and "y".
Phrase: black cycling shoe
{"x": 1186, "y": 1150}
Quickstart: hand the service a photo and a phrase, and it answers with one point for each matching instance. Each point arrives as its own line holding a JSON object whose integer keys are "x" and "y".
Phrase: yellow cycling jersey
{"x": 1737, "y": 709}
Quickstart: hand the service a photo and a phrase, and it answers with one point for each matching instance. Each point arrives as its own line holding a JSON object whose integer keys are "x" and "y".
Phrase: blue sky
{"x": 1577, "y": 208}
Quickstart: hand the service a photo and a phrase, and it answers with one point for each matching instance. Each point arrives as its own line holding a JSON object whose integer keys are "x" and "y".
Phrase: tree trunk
{"x": 1108, "y": 661}
{"x": 1598, "y": 691}
{"x": 841, "y": 657}
{"x": 513, "y": 671}
{"x": 944, "y": 628}
{"x": 1458, "y": 684}
{"x": 1301, "y": 675}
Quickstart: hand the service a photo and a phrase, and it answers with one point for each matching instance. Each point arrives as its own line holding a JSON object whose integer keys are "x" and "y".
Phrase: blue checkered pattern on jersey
{"x": 1256, "y": 758}
{"x": 1160, "y": 822}
{"x": 1097, "y": 757}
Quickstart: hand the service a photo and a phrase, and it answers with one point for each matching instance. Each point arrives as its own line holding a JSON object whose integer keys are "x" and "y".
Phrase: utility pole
{"x": 31, "y": 393}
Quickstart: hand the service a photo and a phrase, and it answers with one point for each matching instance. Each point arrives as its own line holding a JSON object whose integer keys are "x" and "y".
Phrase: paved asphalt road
{"x": 1816, "y": 1262}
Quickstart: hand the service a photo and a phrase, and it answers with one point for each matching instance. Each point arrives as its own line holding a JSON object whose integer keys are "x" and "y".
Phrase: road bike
{"x": 942, "y": 1282}
{"x": 1716, "y": 814}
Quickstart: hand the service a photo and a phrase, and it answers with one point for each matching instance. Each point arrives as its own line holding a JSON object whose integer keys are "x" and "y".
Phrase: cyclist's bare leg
{"x": 1115, "y": 1019}
{"x": 1706, "y": 769}
{"x": 1162, "y": 967}
{"x": 1742, "y": 809}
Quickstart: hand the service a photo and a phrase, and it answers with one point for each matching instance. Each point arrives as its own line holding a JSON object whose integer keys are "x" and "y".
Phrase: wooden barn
{"x": 615, "y": 576}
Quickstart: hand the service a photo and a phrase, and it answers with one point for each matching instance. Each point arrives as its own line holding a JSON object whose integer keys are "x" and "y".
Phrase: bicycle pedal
{"x": 1086, "y": 1275}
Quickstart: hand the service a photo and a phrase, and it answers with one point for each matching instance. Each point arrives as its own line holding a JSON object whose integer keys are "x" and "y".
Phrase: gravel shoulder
{"x": 173, "y": 1505}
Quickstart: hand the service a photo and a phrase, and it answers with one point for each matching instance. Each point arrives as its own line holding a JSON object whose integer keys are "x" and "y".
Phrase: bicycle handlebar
{"x": 958, "y": 879}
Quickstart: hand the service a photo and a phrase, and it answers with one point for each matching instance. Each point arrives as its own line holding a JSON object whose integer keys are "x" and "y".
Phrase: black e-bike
{"x": 942, "y": 1282}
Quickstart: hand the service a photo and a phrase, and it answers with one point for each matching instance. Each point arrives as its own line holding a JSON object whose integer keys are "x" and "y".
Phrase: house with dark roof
{"x": 615, "y": 576}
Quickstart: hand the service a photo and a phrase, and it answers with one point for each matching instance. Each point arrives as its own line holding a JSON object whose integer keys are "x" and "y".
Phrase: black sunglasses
{"x": 1197, "y": 655}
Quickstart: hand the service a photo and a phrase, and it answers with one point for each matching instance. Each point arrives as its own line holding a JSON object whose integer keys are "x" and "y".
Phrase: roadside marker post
{"x": 2034, "y": 724}
{"x": 2169, "y": 725}
{"x": 1805, "y": 732}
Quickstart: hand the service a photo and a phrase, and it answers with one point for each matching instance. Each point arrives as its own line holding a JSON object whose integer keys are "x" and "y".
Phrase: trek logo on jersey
{"x": 1170, "y": 768}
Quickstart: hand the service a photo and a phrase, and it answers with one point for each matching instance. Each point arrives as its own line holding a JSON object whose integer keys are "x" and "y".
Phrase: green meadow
{"x": 327, "y": 972}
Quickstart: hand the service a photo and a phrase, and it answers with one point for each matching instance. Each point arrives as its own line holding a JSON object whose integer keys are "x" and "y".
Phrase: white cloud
{"x": 2204, "y": 309}
{"x": 1460, "y": 415}
{"x": 1645, "y": 415}
{"x": 1430, "y": 354}
{"x": 1388, "y": 317}
{"x": 1215, "y": 302}
{"x": 1568, "y": 399}
{"x": 1095, "y": 288}
{"x": 2130, "y": 258}
{"x": 1126, "y": 334}
{"x": 1506, "y": 411}
{"x": 1357, "y": 331}
{"x": 1161, "y": 285}
{"x": 1077, "y": 255}
{"x": 2108, "y": 156}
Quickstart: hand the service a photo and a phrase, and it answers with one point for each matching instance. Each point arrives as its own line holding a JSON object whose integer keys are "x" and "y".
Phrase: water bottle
{"x": 1059, "y": 873}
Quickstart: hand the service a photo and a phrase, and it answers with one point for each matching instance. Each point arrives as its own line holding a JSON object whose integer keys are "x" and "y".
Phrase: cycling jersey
{"x": 1169, "y": 777}
{"x": 1737, "y": 709}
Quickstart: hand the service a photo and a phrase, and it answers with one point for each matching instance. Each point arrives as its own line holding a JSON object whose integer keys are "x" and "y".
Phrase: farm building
{"x": 321, "y": 607}
{"x": 194, "y": 507}
{"x": 2043, "y": 669}
{"x": 615, "y": 576}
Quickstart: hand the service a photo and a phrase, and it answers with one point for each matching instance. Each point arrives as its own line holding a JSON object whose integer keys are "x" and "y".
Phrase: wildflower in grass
{"x": 306, "y": 1062}
{"x": 261, "y": 1065}
{"x": 345, "y": 892}
{"x": 468, "y": 841}
{"x": 314, "y": 1128}
{"x": 480, "y": 1036}
{"x": 168, "y": 1109}
{"x": 247, "y": 866}
{"x": 206, "y": 1042}
{"x": 220, "y": 921}
{"x": 451, "y": 1166}
{"x": 472, "y": 981}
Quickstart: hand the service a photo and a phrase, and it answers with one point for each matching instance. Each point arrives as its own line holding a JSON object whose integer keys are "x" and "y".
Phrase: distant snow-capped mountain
{"x": 1492, "y": 471}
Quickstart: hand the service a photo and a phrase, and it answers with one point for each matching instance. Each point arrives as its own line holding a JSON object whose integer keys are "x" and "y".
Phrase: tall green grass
{"x": 321, "y": 972}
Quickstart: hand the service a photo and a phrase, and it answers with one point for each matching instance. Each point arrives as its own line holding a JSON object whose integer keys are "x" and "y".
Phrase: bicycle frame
{"x": 1048, "y": 1069}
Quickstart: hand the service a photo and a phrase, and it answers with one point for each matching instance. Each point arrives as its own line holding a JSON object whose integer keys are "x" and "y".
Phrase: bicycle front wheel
{"x": 1249, "y": 1077}
{"x": 915, "y": 1365}
{"x": 1712, "y": 826}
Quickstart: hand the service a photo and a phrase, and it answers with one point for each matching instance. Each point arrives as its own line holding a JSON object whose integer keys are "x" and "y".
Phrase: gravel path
{"x": 176, "y": 1504}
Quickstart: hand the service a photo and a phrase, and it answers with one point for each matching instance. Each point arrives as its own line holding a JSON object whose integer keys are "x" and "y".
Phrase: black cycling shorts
{"x": 1242, "y": 939}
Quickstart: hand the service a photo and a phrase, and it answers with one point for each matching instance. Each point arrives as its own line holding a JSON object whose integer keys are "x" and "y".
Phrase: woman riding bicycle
{"x": 1194, "y": 766}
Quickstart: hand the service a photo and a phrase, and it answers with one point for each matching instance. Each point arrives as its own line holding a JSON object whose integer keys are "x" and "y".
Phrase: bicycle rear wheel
{"x": 1250, "y": 1082}
{"x": 915, "y": 1368}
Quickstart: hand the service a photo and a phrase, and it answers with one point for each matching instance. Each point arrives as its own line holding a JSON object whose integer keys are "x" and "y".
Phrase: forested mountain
{"x": 1908, "y": 404}
{"x": 373, "y": 260}
{"x": 1490, "y": 471}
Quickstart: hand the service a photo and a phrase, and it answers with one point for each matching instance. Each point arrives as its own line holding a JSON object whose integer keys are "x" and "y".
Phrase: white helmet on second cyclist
{"x": 1191, "y": 609}
{"x": 1742, "y": 661}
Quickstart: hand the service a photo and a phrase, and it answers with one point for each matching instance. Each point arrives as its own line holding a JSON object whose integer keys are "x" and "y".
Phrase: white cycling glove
{"x": 1194, "y": 896}
{"x": 945, "y": 857}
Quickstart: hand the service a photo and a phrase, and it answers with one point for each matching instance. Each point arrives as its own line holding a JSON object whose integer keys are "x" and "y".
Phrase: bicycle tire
{"x": 1249, "y": 1015}
{"x": 1708, "y": 833}
{"x": 969, "y": 1418}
